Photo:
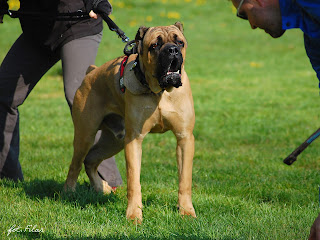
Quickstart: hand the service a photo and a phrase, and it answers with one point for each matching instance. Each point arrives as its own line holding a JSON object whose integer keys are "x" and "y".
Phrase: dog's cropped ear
{"x": 139, "y": 36}
{"x": 141, "y": 32}
{"x": 179, "y": 26}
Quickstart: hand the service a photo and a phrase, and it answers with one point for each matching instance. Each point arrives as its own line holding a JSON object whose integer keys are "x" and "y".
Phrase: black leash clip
{"x": 130, "y": 48}
{"x": 121, "y": 34}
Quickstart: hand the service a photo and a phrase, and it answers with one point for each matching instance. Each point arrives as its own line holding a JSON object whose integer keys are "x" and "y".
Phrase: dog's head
{"x": 162, "y": 51}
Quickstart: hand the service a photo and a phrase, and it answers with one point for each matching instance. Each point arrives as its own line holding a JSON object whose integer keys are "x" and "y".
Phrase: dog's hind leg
{"x": 85, "y": 130}
{"x": 107, "y": 146}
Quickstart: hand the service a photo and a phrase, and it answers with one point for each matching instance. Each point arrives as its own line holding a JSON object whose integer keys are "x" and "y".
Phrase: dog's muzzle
{"x": 170, "y": 62}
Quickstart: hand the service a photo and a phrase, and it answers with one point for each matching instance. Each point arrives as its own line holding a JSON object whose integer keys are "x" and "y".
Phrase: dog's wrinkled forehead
{"x": 148, "y": 36}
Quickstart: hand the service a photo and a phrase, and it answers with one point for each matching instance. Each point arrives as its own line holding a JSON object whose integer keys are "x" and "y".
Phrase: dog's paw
{"x": 135, "y": 214}
{"x": 187, "y": 211}
{"x": 69, "y": 187}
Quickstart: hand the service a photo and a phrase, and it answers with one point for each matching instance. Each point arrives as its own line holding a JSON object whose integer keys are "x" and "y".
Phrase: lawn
{"x": 256, "y": 99}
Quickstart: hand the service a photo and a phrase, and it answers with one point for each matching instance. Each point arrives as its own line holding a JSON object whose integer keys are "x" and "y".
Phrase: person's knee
{"x": 13, "y": 91}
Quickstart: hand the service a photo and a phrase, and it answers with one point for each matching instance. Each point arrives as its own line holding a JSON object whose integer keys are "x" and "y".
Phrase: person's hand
{"x": 315, "y": 230}
{"x": 3, "y": 8}
{"x": 101, "y": 7}
{"x": 92, "y": 14}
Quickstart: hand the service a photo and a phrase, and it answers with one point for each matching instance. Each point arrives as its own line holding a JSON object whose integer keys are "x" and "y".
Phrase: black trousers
{"x": 22, "y": 68}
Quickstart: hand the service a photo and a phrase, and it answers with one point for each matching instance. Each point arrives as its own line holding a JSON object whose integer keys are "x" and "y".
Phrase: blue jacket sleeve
{"x": 312, "y": 46}
{"x": 303, "y": 14}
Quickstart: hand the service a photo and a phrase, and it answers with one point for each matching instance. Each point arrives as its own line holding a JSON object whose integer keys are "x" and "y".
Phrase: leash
{"x": 130, "y": 47}
{"x": 72, "y": 16}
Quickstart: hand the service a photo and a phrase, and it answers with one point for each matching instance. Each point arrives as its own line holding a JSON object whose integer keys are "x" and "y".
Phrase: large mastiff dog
{"x": 157, "y": 99}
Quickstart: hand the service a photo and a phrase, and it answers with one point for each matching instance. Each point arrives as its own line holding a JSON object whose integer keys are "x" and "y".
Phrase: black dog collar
{"x": 139, "y": 74}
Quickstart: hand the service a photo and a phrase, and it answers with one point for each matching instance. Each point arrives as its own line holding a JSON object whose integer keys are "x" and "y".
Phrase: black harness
{"x": 129, "y": 49}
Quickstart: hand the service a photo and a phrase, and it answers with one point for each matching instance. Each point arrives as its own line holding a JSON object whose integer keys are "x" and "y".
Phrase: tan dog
{"x": 157, "y": 99}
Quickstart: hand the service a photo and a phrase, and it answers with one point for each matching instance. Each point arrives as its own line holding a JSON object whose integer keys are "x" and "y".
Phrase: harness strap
{"x": 137, "y": 71}
{"x": 121, "y": 82}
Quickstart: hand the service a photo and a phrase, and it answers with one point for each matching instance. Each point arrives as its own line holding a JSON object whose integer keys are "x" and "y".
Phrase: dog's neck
{"x": 139, "y": 74}
{"x": 138, "y": 71}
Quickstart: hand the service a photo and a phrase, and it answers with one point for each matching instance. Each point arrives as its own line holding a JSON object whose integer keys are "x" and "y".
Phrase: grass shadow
{"x": 124, "y": 236}
{"x": 50, "y": 189}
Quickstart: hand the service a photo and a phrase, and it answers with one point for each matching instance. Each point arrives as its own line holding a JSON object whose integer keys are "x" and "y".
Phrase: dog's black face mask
{"x": 168, "y": 70}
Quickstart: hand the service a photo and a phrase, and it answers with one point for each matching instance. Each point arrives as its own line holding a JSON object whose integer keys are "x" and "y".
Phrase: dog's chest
{"x": 165, "y": 116}
{"x": 158, "y": 113}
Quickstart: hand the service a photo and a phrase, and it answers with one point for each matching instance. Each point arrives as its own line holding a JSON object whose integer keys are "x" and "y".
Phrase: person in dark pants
{"x": 275, "y": 17}
{"x": 43, "y": 43}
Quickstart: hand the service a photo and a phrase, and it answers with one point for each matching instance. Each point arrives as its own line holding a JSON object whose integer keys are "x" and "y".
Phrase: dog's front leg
{"x": 133, "y": 152}
{"x": 185, "y": 152}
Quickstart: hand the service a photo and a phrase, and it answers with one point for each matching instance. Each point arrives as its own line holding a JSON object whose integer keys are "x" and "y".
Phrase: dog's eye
{"x": 180, "y": 43}
{"x": 153, "y": 46}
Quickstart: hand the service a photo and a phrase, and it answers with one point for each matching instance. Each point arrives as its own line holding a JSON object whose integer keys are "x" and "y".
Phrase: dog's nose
{"x": 173, "y": 50}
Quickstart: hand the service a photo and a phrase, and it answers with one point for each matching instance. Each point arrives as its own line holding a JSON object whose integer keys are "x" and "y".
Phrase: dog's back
{"x": 102, "y": 81}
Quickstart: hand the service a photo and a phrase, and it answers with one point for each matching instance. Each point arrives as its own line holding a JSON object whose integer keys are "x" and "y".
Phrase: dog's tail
{"x": 90, "y": 68}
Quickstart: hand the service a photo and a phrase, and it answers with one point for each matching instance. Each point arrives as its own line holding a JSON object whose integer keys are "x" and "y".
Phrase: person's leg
{"x": 76, "y": 57}
{"x": 22, "y": 68}
{"x": 108, "y": 169}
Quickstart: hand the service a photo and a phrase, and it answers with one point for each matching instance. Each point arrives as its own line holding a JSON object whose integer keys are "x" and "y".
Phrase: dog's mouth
{"x": 172, "y": 74}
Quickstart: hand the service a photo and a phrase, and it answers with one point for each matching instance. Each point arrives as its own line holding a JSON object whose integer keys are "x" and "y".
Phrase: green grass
{"x": 256, "y": 99}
